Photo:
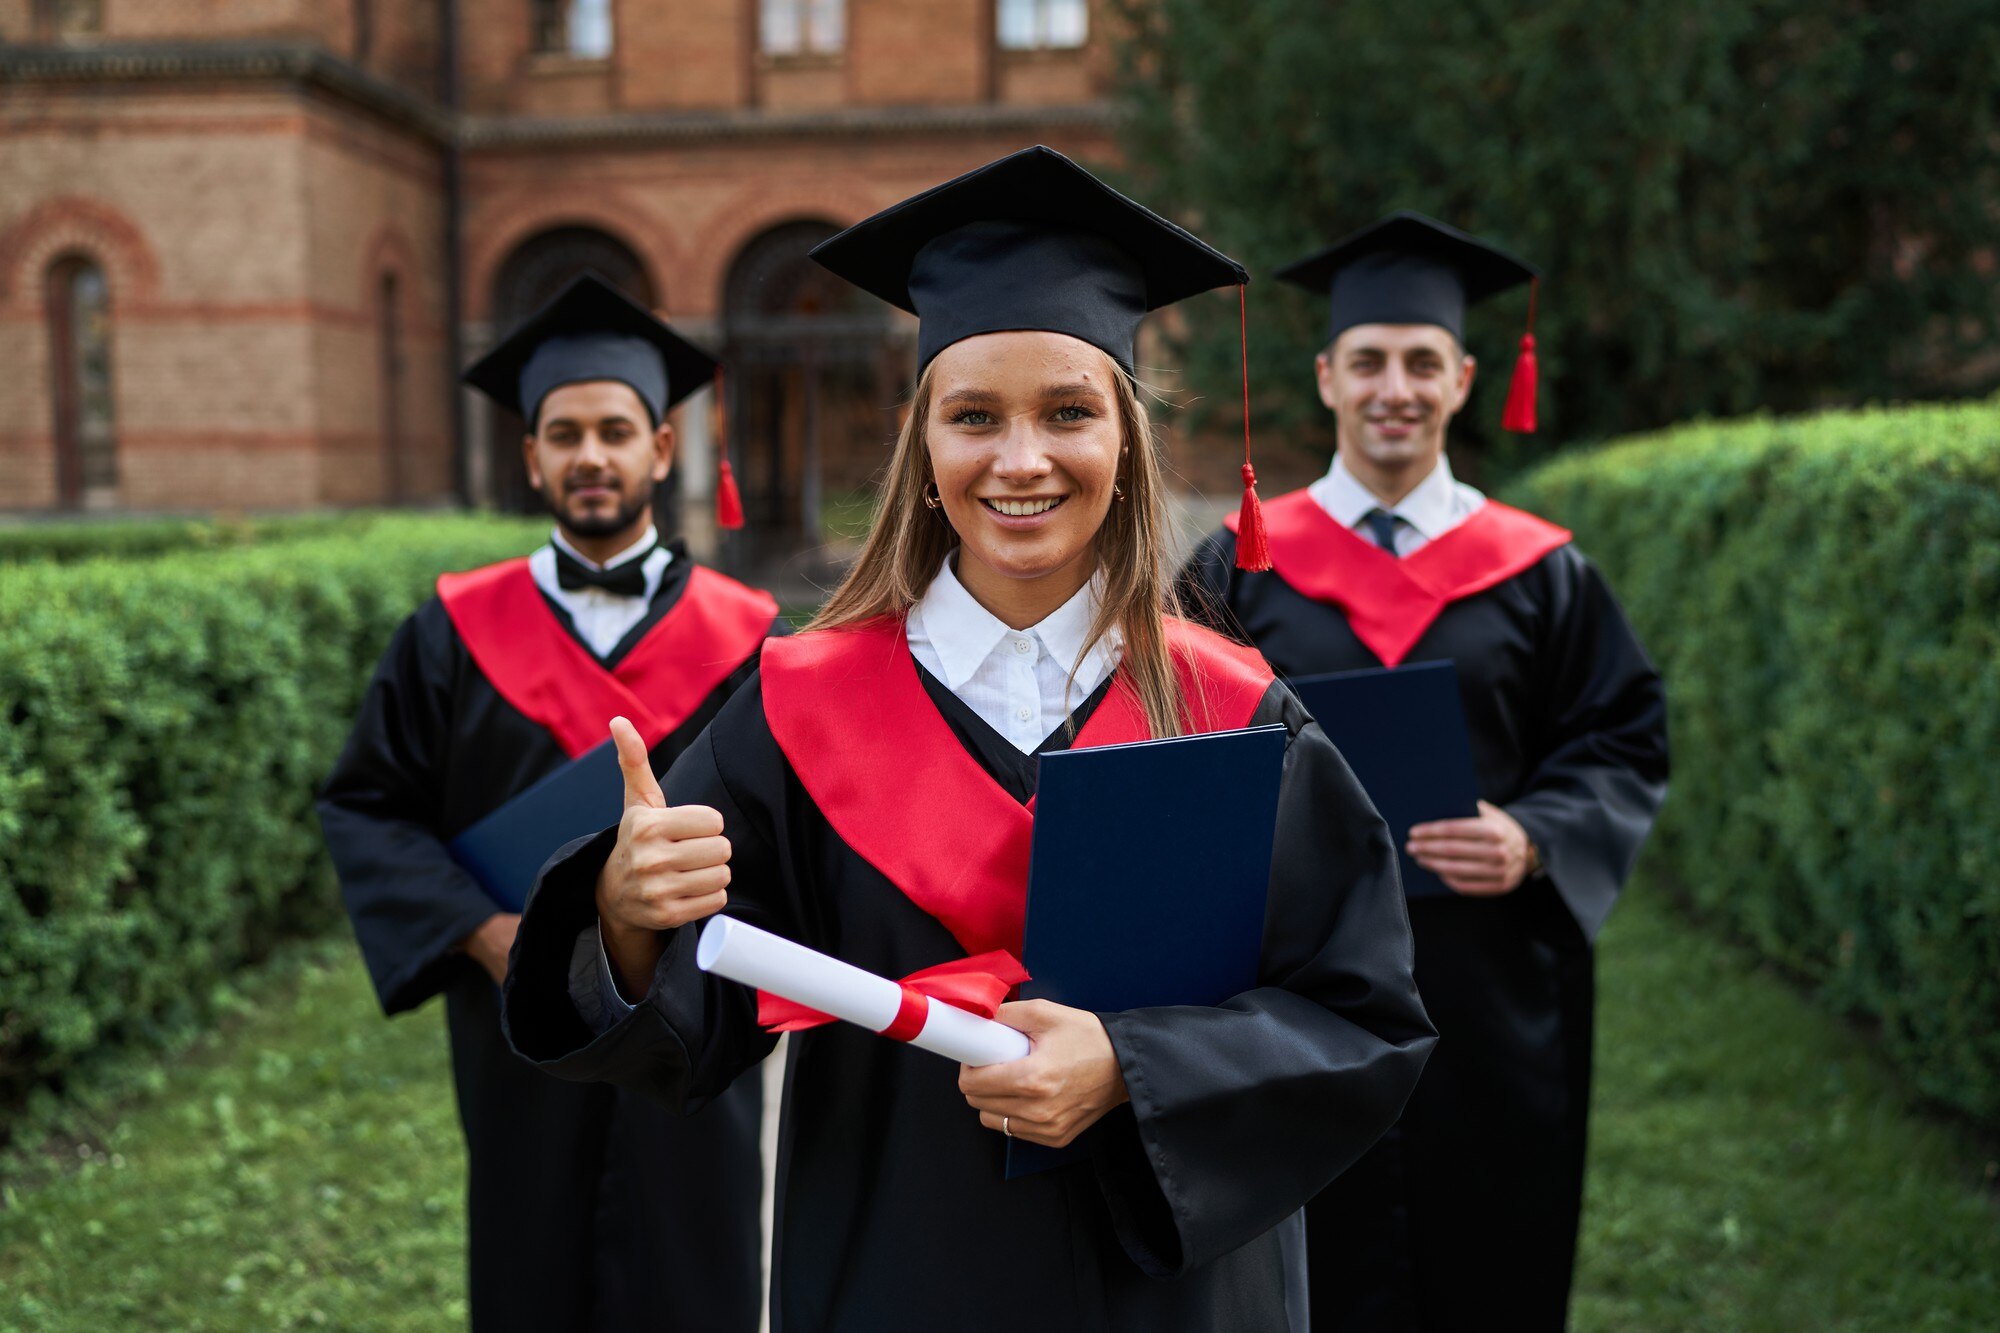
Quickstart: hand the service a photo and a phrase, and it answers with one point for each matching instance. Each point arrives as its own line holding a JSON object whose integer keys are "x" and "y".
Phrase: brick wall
{"x": 373, "y": 200}
{"x": 683, "y": 53}
{"x": 326, "y": 21}
{"x": 919, "y": 52}
{"x": 243, "y": 235}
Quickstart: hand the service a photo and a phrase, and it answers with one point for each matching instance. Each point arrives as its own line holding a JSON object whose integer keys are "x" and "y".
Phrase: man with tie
{"x": 1465, "y": 1215}
{"x": 585, "y": 1203}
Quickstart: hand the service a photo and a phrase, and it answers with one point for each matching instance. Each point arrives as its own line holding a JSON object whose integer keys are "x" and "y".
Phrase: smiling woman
{"x": 1015, "y": 422}
{"x": 870, "y": 795}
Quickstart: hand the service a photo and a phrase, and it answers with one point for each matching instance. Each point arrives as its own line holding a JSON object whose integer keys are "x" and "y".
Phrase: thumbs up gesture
{"x": 670, "y": 867}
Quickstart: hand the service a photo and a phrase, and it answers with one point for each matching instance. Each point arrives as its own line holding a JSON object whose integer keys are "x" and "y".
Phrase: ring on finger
{"x": 1004, "y": 1126}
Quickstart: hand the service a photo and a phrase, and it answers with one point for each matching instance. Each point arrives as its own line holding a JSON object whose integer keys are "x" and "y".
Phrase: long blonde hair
{"x": 908, "y": 541}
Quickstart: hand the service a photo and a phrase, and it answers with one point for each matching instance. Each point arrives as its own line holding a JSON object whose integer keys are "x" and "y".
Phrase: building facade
{"x": 245, "y": 243}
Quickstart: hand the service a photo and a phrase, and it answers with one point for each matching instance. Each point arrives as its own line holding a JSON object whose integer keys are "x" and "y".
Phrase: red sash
{"x": 540, "y": 668}
{"x": 847, "y": 708}
{"x": 1390, "y": 602}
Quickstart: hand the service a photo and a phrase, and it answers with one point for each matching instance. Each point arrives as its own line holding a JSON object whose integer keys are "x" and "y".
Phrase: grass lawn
{"x": 1753, "y": 1168}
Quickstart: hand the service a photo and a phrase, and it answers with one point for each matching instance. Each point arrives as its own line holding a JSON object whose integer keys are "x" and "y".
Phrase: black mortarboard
{"x": 1411, "y": 269}
{"x": 591, "y": 331}
{"x": 1031, "y": 241}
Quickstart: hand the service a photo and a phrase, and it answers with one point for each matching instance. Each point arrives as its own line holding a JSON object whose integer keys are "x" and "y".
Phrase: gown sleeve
{"x": 409, "y": 901}
{"x": 692, "y": 1033}
{"x": 1592, "y": 797}
{"x": 1242, "y": 1112}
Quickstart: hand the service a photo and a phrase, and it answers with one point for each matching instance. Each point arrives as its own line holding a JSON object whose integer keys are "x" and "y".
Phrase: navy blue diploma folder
{"x": 506, "y": 850}
{"x": 1147, "y": 879}
{"x": 1402, "y": 731}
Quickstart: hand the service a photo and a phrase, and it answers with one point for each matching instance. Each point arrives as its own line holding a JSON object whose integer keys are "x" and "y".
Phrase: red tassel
{"x": 1520, "y": 414}
{"x": 728, "y": 500}
{"x": 1253, "y": 548}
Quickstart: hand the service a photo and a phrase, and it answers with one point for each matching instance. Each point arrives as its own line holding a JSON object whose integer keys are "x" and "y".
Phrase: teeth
{"x": 1023, "y": 508}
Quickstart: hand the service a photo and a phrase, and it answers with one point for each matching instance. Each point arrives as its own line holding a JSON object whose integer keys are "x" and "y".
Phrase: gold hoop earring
{"x": 931, "y": 497}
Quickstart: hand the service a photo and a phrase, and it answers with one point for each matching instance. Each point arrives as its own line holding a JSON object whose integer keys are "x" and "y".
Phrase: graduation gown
{"x": 901, "y": 844}
{"x": 583, "y": 1202}
{"x": 1466, "y": 1215}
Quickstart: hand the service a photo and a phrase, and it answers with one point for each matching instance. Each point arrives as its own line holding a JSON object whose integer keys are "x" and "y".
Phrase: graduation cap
{"x": 1032, "y": 241}
{"x": 1411, "y": 269}
{"x": 592, "y": 331}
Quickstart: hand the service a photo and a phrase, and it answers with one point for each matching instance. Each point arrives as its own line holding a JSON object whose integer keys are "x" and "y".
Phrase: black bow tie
{"x": 626, "y": 580}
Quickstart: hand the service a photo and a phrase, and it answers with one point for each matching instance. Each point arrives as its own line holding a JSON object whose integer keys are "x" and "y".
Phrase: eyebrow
{"x": 602, "y": 421}
{"x": 981, "y": 397}
{"x": 1078, "y": 389}
{"x": 967, "y": 396}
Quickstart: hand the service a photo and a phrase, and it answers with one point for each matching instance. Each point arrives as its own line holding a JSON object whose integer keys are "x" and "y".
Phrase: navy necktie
{"x": 1382, "y": 525}
{"x": 626, "y": 580}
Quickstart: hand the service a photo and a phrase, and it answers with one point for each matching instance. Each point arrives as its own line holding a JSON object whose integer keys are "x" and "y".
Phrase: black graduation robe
{"x": 583, "y": 1202}
{"x": 892, "y": 1209}
{"x": 1466, "y": 1214}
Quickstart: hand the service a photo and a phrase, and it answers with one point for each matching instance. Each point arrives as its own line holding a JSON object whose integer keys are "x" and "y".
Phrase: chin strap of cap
{"x": 1520, "y": 414}
{"x": 1253, "y": 548}
{"x": 728, "y": 500}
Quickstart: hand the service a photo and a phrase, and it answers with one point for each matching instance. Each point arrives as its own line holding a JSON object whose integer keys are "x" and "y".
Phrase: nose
{"x": 591, "y": 452}
{"x": 1395, "y": 383}
{"x": 1020, "y": 456}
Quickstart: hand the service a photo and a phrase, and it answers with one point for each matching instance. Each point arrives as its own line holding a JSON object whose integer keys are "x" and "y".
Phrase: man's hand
{"x": 488, "y": 946}
{"x": 1056, "y": 1091}
{"x": 670, "y": 867}
{"x": 1480, "y": 857}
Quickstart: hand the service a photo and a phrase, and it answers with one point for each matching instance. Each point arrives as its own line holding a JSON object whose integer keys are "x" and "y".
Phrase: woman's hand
{"x": 1056, "y": 1091}
{"x": 670, "y": 867}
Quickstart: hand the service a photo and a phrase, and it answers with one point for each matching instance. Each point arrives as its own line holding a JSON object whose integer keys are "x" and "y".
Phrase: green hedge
{"x": 163, "y": 725}
{"x": 70, "y": 540}
{"x": 1823, "y": 596}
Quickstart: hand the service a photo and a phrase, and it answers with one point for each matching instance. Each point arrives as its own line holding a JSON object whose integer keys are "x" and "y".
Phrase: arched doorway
{"x": 539, "y": 268}
{"x": 816, "y": 376}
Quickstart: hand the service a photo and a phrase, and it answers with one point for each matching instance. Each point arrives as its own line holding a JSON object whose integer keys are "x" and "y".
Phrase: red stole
{"x": 879, "y": 760}
{"x": 540, "y": 668}
{"x": 1390, "y": 602}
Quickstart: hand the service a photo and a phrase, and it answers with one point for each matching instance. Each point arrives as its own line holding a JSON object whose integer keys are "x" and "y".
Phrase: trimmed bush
{"x": 1823, "y": 596}
{"x": 163, "y": 726}
{"x": 82, "y": 539}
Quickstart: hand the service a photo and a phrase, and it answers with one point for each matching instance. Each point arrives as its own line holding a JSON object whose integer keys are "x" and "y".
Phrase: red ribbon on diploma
{"x": 976, "y": 985}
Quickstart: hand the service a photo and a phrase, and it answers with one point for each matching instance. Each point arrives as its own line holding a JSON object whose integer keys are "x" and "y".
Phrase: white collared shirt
{"x": 1017, "y": 681}
{"x": 1439, "y": 503}
{"x": 602, "y": 618}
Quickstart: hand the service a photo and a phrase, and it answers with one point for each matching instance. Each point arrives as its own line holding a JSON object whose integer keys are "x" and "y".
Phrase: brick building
{"x": 243, "y": 243}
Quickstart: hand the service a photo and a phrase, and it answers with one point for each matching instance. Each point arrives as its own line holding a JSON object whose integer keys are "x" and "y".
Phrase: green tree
{"x": 1738, "y": 204}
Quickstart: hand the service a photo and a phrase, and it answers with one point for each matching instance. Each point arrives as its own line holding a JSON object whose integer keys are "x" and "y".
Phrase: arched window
{"x": 79, "y": 310}
{"x": 389, "y": 326}
{"x": 539, "y": 268}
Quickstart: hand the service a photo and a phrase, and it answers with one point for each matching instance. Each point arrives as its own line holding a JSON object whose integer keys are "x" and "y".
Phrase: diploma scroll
{"x": 729, "y": 948}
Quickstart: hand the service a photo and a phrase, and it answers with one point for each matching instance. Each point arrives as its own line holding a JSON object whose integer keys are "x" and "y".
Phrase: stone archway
{"x": 816, "y": 373}
{"x": 534, "y": 272}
